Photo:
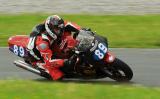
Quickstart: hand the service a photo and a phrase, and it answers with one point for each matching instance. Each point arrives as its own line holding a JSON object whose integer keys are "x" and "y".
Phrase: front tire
{"x": 119, "y": 71}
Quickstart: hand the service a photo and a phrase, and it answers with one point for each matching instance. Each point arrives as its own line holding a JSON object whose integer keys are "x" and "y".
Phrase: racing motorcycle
{"x": 93, "y": 59}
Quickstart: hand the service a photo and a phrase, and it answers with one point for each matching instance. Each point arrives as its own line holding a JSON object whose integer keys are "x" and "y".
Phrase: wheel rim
{"x": 118, "y": 75}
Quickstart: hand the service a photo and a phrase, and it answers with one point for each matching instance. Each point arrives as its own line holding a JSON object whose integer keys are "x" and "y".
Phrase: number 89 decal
{"x": 100, "y": 52}
{"x": 18, "y": 50}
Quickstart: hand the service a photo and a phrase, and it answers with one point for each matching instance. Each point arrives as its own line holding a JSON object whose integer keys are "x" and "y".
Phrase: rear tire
{"x": 119, "y": 71}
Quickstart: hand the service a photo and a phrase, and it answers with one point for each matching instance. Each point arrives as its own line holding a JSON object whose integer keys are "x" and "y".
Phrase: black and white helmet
{"x": 54, "y": 26}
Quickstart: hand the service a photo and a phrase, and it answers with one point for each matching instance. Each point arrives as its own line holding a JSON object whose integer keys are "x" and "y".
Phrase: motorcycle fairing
{"x": 17, "y": 45}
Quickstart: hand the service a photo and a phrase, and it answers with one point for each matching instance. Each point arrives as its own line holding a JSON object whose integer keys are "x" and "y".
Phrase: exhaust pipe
{"x": 27, "y": 67}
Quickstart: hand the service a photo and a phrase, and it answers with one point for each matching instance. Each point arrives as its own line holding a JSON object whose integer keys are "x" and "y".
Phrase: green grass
{"x": 25, "y": 89}
{"x": 131, "y": 31}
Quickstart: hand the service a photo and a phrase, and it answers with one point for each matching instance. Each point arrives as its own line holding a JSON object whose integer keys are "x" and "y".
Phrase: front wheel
{"x": 118, "y": 70}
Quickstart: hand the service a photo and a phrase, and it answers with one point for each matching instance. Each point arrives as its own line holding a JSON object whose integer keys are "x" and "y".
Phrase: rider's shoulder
{"x": 71, "y": 26}
{"x": 39, "y": 28}
{"x": 69, "y": 23}
{"x": 42, "y": 45}
{"x": 39, "y": 25}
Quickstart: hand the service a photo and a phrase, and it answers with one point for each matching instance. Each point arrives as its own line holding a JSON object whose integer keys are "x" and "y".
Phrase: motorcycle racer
{"x": 50, "y": 42}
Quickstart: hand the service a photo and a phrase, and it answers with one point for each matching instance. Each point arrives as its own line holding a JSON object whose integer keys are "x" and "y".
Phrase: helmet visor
{"x": 57, "y": 29}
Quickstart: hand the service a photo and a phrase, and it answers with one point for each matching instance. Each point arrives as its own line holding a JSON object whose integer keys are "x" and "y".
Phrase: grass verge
{"x": 131, "y": 31}
{"x": 24, "y": 89}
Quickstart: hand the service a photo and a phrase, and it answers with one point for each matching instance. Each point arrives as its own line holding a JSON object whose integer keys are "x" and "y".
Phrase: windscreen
{"x": 85, "y": 39}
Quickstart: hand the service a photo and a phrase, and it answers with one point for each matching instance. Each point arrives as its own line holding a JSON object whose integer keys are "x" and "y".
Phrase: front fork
{"x": 109, "y": 57}
{"x": 108, "y": 60}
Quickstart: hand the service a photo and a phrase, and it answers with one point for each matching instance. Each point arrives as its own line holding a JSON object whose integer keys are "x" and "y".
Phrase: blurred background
{"x": 81, "y": 6}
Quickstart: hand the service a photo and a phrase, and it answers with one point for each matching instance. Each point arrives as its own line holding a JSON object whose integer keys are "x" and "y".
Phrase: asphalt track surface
{"x": 144, "y": 62}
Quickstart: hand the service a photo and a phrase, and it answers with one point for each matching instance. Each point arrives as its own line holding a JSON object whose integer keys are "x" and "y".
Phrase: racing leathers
{"x": 52, "y": 53}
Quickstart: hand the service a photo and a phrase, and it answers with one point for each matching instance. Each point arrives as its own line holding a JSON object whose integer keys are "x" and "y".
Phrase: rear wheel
{"x": 119, "y": 71}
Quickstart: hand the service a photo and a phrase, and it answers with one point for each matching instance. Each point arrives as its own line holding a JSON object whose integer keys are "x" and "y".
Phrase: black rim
{"x": 116, "y": 72}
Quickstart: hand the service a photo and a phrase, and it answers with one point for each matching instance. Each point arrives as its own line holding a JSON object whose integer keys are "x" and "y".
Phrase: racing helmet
{"x": 54, "y": 26}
